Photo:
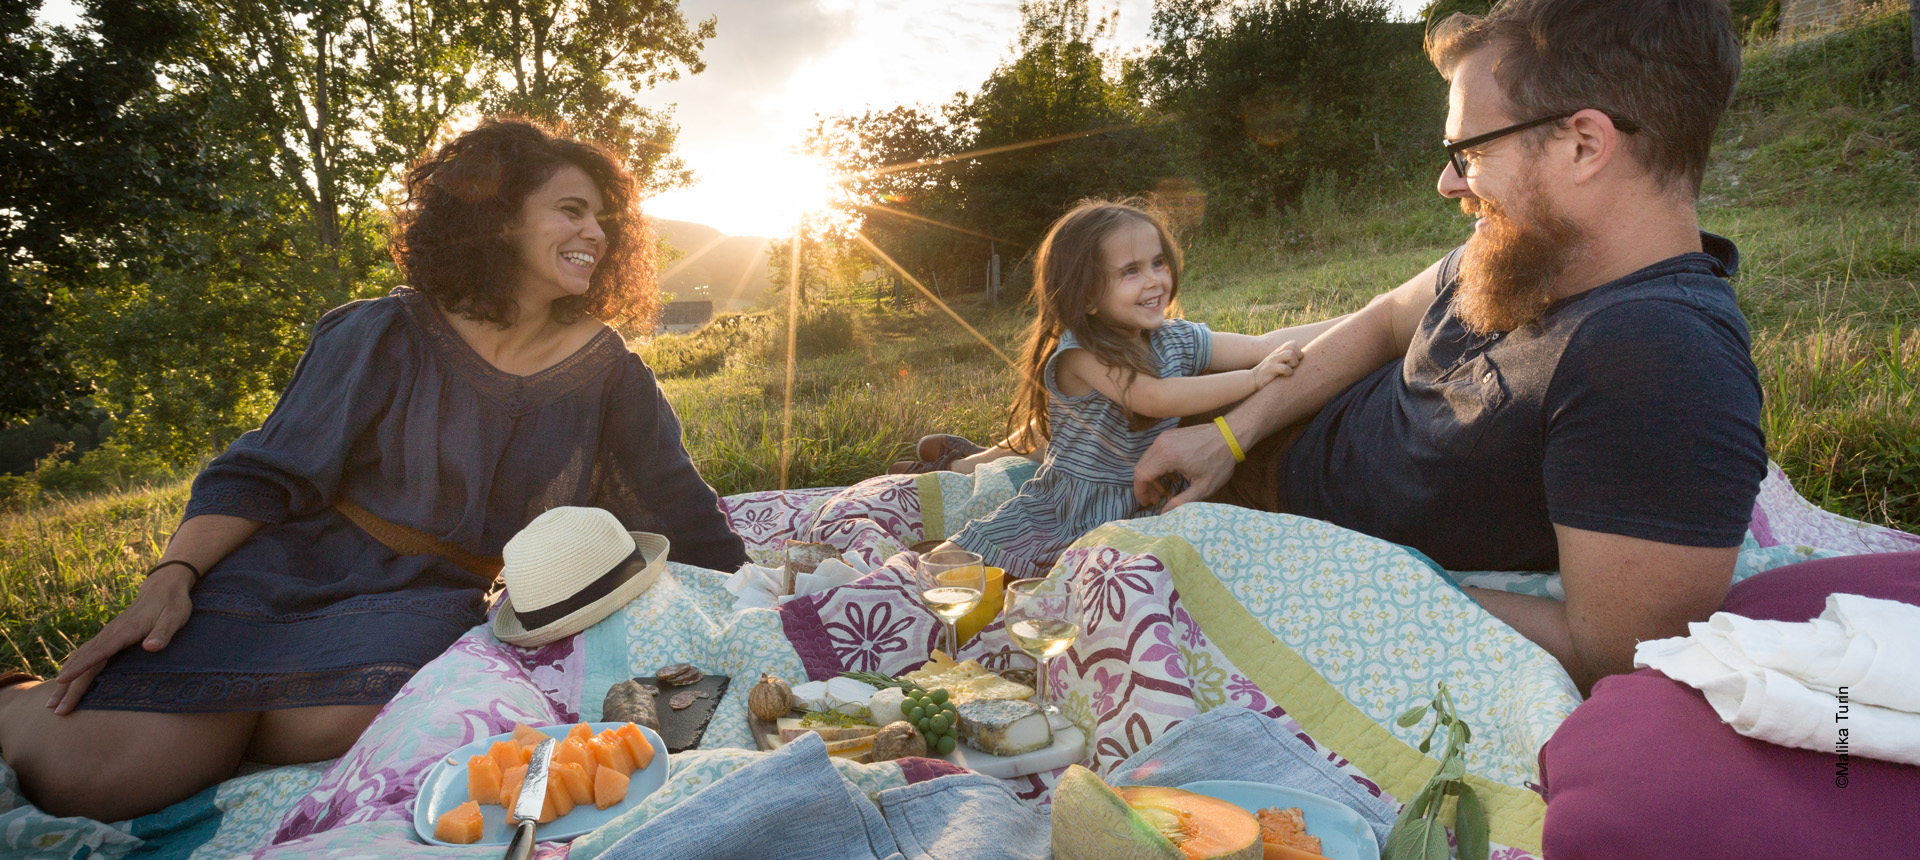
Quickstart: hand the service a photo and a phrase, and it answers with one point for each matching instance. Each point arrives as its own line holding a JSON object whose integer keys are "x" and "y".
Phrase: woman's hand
{"x": 159, "y": 612}
{"x": 1280, "y": 362}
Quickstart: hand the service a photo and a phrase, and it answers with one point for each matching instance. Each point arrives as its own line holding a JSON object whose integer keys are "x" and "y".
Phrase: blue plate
{"x": 445, "y": 787}
{"x": 1344, "y": 835}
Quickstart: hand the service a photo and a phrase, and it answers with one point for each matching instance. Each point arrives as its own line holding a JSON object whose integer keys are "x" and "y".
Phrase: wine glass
{"x": 1043, "y": 619}
{"x": 951, "y": 584}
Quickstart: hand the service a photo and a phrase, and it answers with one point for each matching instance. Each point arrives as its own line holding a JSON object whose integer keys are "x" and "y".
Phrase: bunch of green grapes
{"x": 931, "y": 713}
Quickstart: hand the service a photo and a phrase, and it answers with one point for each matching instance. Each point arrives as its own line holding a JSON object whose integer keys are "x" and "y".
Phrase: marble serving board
{"x": 1069, "y": 747}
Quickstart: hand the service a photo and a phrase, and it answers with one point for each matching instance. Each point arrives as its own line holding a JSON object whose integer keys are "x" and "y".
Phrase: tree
{"x": 258, "y": 203}
{"x": 96, "y": 160}
{"x": 1057, "y": 87}
{"x": 900, "y": 184}
{"x": 1273, "y": 91}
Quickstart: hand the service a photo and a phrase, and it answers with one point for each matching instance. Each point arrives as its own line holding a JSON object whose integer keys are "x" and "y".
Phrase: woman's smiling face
{"x": 557, "y": 238}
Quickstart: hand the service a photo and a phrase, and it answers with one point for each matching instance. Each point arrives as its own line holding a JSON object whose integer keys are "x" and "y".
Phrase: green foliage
{"x": 1270, "y": 93}
{"x": 1058, "y": 83}
{"x": 179, "y": 240}
{"x": 1419, "y": 834}
{"x": 95, "y": 159}
{"x": 703, "y": 351}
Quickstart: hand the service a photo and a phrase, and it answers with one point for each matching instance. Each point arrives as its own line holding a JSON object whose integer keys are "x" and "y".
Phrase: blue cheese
{"x": 1004, "y": 727}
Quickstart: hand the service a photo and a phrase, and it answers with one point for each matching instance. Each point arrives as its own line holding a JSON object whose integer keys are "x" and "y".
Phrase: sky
{"x": 776, "y": 64}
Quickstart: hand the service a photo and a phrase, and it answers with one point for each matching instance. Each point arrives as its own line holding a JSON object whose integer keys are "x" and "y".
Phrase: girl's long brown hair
{"x": 1068, "y": 279}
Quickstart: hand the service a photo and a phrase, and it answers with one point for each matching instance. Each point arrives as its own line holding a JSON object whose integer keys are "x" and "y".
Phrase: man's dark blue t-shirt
{"x": 1631, "y": 409}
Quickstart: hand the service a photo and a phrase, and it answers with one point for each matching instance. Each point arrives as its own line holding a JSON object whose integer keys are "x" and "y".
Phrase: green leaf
{"x": 1454, "y": 768}
{"x": 1470, "y": 826}
{"x": 1426, "y": 740}
{"x": 1409, "y": 839}
{"x": 1412, "y": 716}
{"x": 1436, "y": 847}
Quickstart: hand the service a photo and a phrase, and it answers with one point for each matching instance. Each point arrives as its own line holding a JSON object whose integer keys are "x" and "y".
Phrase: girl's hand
{"x": 159, "y": 612}
{"x": 1278, "y": 363}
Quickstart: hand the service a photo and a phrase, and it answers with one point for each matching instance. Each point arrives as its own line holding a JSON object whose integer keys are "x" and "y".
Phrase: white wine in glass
{"x": 1043, "y": 638}
{"x": 952, "y": 581}
{"x": 1043, "y": 619}
{"x": 950, "y": 602}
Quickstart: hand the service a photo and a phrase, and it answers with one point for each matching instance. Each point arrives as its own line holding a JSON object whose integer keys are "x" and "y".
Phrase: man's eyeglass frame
{"x": 1456, "y": 148}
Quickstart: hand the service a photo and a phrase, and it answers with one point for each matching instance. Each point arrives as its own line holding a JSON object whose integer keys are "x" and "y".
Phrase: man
{"x": 1572, "y": 389}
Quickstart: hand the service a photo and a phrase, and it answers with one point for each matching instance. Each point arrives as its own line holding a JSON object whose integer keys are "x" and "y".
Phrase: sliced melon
{"x": 637, "y": 745}
{"x": 609, "y": 787}
{"x": 611, "y": 751}
{"x": 508, "y": 754}
{"x": 1092, "y": 821}
{"x": 574, "y": 777}
{"x": 581, "y": 731}
{"x": 575, "y": 750}
{"x": 460, "y": 825}
{"x": 483, "y": 779}
{"x": 527, "y": 736}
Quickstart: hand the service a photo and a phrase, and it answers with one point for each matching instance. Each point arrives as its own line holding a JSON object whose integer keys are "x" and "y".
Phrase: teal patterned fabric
{"x": 688, "y": 617}
{"x": 1382, "y": 627}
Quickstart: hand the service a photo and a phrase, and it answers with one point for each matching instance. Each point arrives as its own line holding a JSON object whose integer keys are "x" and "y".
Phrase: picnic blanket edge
{"x": 1516, "y": 817}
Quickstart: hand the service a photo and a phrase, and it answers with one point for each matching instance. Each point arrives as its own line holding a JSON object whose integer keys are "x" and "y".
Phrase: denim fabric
{"x": 1235, "y": 743}
{"x": 966, "y": 817}
{"x": 790, "y": 805}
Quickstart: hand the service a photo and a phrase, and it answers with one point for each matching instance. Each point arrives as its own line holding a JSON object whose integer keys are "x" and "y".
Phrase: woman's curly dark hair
{"x": 450, "y": 233}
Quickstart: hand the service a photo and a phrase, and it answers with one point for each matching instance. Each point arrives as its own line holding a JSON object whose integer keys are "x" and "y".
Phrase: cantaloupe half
{"x": 1092, "y": 821}
{"x": 460, "y": 825}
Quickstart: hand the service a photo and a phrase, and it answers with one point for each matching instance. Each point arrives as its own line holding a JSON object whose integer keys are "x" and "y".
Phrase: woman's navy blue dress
{"x": 392, "y": 410}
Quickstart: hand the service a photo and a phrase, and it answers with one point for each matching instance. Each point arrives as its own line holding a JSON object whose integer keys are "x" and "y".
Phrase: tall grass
{"x": 1815, "y": 177}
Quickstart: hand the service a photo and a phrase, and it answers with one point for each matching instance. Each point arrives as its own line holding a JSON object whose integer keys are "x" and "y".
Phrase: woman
{"x": 442, "y": 418}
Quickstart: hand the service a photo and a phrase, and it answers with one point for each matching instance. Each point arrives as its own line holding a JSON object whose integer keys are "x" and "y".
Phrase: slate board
{"x": 682, "y": 730}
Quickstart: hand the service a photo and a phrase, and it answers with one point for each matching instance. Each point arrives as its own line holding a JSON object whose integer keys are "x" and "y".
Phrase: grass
{"x": 1815, "y": 177}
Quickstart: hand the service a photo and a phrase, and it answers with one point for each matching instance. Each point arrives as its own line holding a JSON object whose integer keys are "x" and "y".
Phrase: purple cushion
{"x": 1644, "y": 768}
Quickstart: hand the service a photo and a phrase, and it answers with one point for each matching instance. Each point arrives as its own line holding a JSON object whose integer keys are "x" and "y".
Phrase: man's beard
{"x": 1511, "y": 265}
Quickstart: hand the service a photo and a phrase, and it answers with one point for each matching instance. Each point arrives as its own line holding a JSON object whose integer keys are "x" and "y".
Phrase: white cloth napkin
{"x": 756, "y": 587}
{"x": 1781, "y": 682}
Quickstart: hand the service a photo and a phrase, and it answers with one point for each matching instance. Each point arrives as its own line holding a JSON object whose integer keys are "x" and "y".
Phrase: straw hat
{"x": 568, "y": 569}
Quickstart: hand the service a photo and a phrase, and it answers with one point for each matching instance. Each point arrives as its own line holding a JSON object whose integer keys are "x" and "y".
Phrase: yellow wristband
{"x": 1233, "y": 444}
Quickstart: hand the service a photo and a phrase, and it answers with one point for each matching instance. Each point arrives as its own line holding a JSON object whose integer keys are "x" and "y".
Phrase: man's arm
{"x": 1620, "y": 591}
{"x": 1232, "y": 351}
{"x": 1345, "y": 353}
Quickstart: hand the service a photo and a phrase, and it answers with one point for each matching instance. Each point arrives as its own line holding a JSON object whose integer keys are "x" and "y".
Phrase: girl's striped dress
{"x": 1087, "y": 477}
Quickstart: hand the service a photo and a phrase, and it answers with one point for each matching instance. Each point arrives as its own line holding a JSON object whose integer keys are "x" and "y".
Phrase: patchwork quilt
{"x": 1327, "y": 632}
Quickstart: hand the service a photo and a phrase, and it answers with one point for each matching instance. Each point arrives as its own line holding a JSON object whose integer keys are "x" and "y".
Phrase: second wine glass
{"x": 1043, "y": 619}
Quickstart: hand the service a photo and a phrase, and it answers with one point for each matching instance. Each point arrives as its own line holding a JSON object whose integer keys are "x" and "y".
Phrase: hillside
{"x": 731, "y": 269}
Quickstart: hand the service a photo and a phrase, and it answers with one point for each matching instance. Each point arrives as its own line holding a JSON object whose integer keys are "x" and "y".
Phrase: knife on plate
{"x": 526, "y": 806}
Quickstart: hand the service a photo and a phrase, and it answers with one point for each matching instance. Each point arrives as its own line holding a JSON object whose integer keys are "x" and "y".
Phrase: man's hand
{"x": 1198, "y": 454}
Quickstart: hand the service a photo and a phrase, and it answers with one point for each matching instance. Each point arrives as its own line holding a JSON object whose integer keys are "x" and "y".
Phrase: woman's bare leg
{"x": 115, "y": 765}
{"x": 299, "y": 735}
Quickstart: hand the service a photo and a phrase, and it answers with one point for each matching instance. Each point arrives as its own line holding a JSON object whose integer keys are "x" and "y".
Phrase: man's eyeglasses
{"x": 1456, "y": 149}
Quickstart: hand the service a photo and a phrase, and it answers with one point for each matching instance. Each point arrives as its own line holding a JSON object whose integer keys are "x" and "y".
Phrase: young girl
{"x": 1106, "y": 368}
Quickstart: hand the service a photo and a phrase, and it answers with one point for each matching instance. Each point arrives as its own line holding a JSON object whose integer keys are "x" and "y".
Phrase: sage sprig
{"x": 1418, "y": 833}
